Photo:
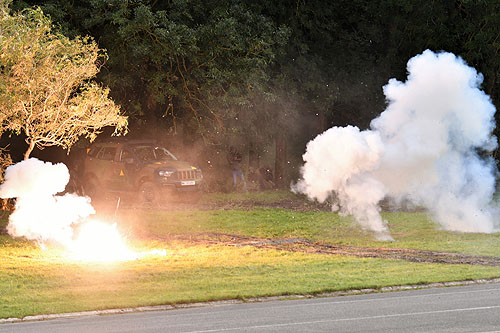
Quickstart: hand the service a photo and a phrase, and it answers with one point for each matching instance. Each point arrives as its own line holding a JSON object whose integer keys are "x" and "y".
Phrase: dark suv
{"x": 148, "y": 171}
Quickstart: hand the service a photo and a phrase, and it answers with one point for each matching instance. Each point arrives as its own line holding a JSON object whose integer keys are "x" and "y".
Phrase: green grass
{"x": 410, "y": 230}
{"x": 35, "y": 281}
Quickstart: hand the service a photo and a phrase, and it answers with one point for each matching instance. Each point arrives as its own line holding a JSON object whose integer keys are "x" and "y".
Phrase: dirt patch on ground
{"x": 306, "y": 246}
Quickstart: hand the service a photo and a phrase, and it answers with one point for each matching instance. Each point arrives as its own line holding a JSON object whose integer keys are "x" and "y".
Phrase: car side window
{"x": 163, "y": 154}
{"x": 106, "y": 153}
{"x": 125, "y": 153}
{"x": 93, "y": 151}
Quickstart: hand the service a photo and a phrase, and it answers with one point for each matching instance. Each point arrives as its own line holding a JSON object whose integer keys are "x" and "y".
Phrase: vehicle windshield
{"x": 153, "y": 153}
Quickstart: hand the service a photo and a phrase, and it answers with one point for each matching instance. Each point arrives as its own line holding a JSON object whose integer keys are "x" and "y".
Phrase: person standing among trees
{"x": 234, "y": 158}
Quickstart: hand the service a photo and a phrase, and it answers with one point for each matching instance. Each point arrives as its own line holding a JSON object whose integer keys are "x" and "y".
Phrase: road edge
{"x": 248, "y": 300}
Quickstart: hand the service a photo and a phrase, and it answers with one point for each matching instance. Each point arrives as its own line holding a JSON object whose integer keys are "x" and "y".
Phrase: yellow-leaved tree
{"x": 47, "y": 90}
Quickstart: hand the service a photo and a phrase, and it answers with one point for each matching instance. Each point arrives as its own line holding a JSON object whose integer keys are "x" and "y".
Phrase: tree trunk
{"x": 253, "y": 157}
{"x": 491, "y": 83}
{"x": 30, "y": 149}
{"x": 280, "y": 161}
{"x": 151, "y": 117}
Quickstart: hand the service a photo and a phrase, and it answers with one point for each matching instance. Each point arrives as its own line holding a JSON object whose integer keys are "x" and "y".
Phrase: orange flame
{"x": 101, "y": 242}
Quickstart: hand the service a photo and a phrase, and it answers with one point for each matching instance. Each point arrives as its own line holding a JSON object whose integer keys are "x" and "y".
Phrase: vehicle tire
{"x": 148, "y": 195}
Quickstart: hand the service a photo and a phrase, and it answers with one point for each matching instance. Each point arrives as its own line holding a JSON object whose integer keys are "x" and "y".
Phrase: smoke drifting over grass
{"x": 424, "y": 148}
{"x": 39, "y": 214}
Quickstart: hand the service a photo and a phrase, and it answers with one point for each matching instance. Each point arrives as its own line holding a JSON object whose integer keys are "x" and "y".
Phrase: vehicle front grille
{"x": 186, "y": 174}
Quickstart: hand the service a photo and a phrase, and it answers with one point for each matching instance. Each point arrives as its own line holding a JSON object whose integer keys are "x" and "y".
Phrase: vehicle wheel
{"x": 148, "y": 195}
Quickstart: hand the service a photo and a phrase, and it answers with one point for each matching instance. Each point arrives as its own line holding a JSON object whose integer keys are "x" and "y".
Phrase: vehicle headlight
{"x": 165, "y": 173}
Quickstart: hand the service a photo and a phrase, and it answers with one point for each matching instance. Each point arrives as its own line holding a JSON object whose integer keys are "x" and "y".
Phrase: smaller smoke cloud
{"x": 422, "y": 148}
{"x": 40, "y": 214}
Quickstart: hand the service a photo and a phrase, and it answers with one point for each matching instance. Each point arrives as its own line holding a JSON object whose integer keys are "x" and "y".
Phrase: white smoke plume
{"x": 425, "y": 148}
{"x": 40, "y": 214}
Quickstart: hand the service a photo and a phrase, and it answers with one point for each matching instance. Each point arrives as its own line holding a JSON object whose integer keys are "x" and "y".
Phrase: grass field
{"x": 35, "y": 281}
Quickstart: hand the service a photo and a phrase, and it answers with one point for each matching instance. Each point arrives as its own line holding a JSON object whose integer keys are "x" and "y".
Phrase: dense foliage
{"x": 253, "y": 73}
{"x": 45, "y": 88}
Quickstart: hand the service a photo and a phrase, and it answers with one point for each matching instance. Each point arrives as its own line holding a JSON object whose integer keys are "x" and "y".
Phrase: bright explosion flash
{"x": 100, "y": 242}
{"x": 43, "y": 216}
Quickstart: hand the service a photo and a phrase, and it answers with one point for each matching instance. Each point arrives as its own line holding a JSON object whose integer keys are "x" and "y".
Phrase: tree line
{"x": 265, "y": 76}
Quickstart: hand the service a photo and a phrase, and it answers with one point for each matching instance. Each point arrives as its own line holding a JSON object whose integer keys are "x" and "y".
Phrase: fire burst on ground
{"x": 44, "y": 216}
{"x": 102, "y": 242}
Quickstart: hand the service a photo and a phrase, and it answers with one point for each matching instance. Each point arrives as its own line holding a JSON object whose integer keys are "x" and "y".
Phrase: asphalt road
{"x": 474, "y": 308}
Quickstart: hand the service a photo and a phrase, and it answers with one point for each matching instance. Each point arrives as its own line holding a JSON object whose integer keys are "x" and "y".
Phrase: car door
{"x": 105, "y": 165}
{"x": 124, "y": 170}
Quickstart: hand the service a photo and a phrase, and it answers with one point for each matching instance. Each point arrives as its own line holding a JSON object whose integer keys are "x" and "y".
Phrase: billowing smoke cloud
{"x": 425, "y": 148}
{"x": 39, "y": 214}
